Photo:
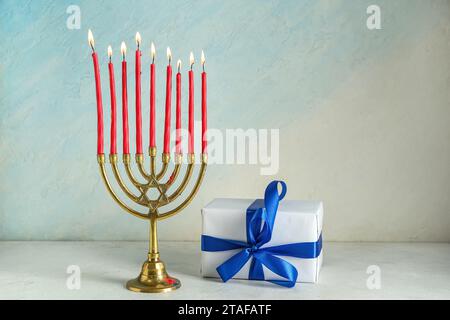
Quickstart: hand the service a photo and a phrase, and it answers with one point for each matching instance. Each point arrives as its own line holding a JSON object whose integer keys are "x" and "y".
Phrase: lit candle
{"x": 178, "y": 111}
{"x": 204, "y": 107}
{"x": 112, "y": 90}
{"x": 138, "y": 96}
{"x": 98, "y": 94}
{"x": 152, "y": 97}
{"x": 126, "y": 147}
{"x": 168, "y": 103}
{"x": 191, "y": 106}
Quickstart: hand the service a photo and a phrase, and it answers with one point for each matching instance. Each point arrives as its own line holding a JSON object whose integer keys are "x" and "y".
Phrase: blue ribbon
{"x": 260, "y": 222}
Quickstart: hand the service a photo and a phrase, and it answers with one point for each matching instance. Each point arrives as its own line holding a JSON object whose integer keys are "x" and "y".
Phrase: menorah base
{"x": 153, "y": 278}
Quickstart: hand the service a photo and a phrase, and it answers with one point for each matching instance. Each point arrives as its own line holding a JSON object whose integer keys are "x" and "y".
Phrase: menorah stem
{"x": 153, "y": 253}
{"x": 153, "y": 276}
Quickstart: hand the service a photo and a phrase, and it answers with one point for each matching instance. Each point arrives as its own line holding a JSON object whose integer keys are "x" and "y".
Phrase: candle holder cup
{"x": 153, "y": 276}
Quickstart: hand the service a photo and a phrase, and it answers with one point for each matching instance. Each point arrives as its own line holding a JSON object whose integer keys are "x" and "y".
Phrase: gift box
{"x": 264, "y": 239}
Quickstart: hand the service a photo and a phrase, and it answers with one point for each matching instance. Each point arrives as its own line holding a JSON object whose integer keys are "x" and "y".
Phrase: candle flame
{"x": 153, "y": 51}
{"x": 109, "y": 52}
{"x": 123, "y": 49}
{"x": 91, "y": 39}
{"x": 179, "y": 65}
{"x": 138, "y": 39}
{"x": 202, "y": 59}
{"x": 169, "y": 54}
{"x": 191, "y": 59}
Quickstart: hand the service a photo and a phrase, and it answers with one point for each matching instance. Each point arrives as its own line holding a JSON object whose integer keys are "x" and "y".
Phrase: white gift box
{"x": 296, "y": 221}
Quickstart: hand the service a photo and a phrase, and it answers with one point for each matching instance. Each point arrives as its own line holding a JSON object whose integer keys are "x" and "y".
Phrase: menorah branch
{"x": 191, "y": 196}
{"x": 127, "y": 163}
{"x": 165, "y": 157}
{"x": 101, "y": 161}
{"x": 152, "y": 182}
{"x": 176, "y": 169}
{"x": 113, "y": 161}
{"x": 140, "y": 165}
{"x": 186, "y": 178}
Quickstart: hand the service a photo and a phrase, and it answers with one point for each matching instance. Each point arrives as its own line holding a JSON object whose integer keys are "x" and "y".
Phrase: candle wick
{"x": 203, "y": 66}
{"x": 153, "y": 60}
{"x": 92, "y": 47}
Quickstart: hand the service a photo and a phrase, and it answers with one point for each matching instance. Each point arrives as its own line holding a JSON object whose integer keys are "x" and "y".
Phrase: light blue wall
{"x": 273, "y": 63}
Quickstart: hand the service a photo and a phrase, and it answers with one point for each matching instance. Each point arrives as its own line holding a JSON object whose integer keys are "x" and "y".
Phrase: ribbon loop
{"x": 260, "y": 219}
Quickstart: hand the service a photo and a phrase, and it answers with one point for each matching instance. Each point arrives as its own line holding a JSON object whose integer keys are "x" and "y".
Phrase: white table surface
{"x": 37, "y": 270}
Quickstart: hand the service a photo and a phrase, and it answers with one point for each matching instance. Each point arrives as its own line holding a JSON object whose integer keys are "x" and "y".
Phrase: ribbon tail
{"x": 232, "y": 266}
{"x": 256, "y": 270}
{"x": 280, "y": 267}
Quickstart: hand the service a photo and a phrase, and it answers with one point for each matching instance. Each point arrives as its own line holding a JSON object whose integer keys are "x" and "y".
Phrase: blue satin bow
{"x": 260, "y": 222}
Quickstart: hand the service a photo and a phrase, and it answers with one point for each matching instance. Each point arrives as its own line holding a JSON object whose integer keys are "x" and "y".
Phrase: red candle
{"x": 191, "y": 106}
{"x": 152, "y": 98}
{"x": 112, "y": 90}
{"x": 168, "y": 104}
{"x": 138, "y": 96}
{"x": 178, "y": 111}
{"x": 98, "y": 94}
{"x": 204, "y": 106}
{"x": 126, "y": 147}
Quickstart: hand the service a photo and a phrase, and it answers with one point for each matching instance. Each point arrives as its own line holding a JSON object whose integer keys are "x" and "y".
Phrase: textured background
{"x": 363, "y": 115}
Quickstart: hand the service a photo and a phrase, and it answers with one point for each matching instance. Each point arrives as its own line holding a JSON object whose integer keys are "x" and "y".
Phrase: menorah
{"x": 153, "y": 276}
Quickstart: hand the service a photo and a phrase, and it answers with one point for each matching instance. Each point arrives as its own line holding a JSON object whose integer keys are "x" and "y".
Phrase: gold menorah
{"x": 153, "y": 276}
